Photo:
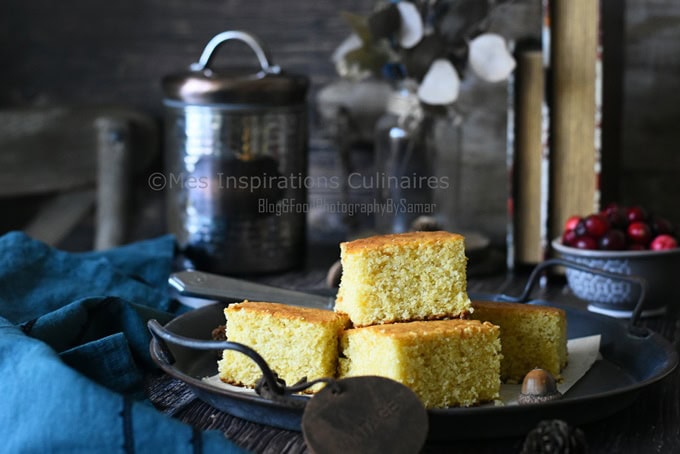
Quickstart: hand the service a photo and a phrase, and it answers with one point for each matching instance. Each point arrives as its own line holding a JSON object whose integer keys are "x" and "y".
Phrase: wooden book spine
{"x": 529, "y": 231}
{"x": 114, "y": 177}
{"x": 574, "y": 55}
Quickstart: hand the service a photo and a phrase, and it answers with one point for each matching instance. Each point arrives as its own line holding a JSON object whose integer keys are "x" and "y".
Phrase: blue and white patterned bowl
{"x": 661, "y": 270}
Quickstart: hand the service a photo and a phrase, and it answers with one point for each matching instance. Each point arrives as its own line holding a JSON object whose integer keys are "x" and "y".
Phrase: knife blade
{"x": 212, "y": 286}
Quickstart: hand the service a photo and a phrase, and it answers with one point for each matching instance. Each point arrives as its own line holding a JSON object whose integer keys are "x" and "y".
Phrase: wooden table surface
{"x": 650, "y": 425}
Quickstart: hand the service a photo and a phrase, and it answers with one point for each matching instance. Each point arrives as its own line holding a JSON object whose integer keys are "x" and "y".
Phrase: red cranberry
{"x": 661, "y": 226}
{"x": 569, "y": 238}
{"x": 581, "y": 228}
{"x": 615, "y": 215}
{"x": 614, "y": 240}
{"x": 662, "y": 242}
{"x": 585, "y": 242}
{"x": 636, "y": 247}
{"x": 635, "y": 214}
{"x": 571, "y": 223}
{"x": 639, "y": 232}
{"x": 596, "y": 225}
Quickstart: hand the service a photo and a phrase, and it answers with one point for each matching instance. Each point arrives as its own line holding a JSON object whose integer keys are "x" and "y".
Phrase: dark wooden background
{"x": 86, "y": 51}
{"x": 650, "y": 167}
{"x": 102, "y": 52}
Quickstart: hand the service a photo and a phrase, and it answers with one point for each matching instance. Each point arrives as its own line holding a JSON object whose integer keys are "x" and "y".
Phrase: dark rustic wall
{"x": 94, "y": 51}
{"x": 89, "y": 51}
{"x": 650, "y": 167}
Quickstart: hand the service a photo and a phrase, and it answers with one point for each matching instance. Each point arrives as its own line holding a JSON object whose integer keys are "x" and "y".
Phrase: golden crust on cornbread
{"x": 445, "y": 362}
{"x": 310, "y": 315}
{"x": 532, "y": 336}
{"x": 410, "y": 333}
{"x": 403, "y": 277}
{"x": 296, "y": 342}
{"x": 380, "y": 241}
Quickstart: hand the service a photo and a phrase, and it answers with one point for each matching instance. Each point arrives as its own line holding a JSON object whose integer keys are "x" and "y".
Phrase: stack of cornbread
{"x": 402, "y": 312}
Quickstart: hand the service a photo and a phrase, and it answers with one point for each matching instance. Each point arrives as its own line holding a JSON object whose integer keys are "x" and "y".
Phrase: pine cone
{"x": 555, "y": 437}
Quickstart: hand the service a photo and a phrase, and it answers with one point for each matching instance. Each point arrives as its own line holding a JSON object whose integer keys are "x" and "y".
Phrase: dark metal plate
{"x": 630, "y": 363}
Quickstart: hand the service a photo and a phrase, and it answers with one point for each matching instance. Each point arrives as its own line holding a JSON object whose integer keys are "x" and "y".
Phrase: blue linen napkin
{"x": 74, "y": 350}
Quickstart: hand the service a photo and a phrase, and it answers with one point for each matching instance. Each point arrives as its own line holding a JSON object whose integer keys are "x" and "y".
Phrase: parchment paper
{"x": 583, "y": 352}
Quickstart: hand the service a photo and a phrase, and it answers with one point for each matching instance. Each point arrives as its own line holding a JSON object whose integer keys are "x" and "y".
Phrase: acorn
{"x": 425, "y": 224}
{"x": 538, "y": 386}
{"x": 219, "y": 334}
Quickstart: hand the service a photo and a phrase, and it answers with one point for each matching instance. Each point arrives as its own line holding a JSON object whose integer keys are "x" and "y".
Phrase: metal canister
{"x": 236, "y": 158}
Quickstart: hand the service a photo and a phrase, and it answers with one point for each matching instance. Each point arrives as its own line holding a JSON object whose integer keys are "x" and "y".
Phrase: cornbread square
{"x": 445, "y": 362}
{"x": 295, "y": 341}
{"x": 403, "y": 277}
{"x": 532, "y": 336}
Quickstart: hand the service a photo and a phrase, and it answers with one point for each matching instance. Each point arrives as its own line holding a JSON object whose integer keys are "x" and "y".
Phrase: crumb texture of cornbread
{"x": 296, "y": 342}
{"x": 403, "y": 277}
{"x": 445, "y": 362}
{"x": 532, "y": 336}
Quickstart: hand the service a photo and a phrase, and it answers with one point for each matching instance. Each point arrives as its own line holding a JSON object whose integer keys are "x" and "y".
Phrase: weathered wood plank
{"x": 59, "y": 216}
{"x": 55, "y": 149}
{"x": 94, "y": 52}
{"x": 650, "y": 133}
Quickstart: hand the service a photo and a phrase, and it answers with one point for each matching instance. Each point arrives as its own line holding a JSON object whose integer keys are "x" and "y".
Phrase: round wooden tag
{"x": 365, "y": 414}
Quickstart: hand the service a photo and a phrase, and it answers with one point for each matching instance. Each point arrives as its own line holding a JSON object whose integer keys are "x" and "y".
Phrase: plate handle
{"x": 536, "y": 273}
{"x": 269, "y": 386}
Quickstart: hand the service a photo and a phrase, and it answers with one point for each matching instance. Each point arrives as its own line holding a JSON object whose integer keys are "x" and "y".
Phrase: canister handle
{"x": 255, "y": 45}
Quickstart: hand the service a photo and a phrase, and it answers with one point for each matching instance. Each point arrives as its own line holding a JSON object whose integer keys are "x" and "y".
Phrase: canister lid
{"x": 266, "y": 85}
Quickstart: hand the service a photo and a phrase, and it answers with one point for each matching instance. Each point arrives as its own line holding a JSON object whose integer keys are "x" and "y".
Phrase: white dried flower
{"x": 440, "y": 85}
{"x": 489, "y": 57}
{"x": 411, "y": 31}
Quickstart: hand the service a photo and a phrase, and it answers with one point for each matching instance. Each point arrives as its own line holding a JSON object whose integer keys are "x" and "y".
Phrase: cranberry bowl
{"x": 660, "y": 268}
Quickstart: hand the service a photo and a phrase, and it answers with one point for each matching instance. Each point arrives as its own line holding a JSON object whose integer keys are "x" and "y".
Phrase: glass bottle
{"x": 417, "y": 157}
